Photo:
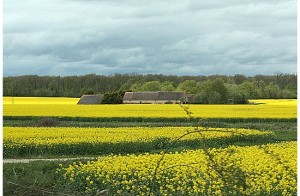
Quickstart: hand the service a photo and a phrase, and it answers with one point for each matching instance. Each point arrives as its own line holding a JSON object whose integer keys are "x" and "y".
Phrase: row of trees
{"x": 218, "y": 88}
{"x": 218, "y": 91}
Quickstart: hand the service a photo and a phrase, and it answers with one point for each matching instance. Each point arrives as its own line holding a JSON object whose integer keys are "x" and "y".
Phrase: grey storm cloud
{"x": 75, "y": 37}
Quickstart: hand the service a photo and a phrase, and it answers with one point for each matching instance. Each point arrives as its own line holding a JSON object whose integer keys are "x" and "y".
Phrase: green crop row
{"x": 149, "y": 119}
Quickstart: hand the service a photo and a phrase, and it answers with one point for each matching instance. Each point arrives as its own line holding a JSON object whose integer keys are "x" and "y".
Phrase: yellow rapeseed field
{"x": 265, "y": 109}
{"x": 49, "y": 136}
{"x": 40, "y": 100}
{"x": 255, "y": 170}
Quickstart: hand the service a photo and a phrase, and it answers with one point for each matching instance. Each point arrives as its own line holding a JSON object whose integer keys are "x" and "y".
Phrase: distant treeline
{"x": 219, "y": 87}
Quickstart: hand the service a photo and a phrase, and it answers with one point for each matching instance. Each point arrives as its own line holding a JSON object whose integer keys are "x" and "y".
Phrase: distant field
{"x": 40, "y": 100}
{"x": 66, "y": 107}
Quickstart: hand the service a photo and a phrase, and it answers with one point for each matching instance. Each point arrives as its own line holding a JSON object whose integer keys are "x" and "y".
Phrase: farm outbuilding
{"x": 155, "y": 97}
{"x": 90, "y": 99}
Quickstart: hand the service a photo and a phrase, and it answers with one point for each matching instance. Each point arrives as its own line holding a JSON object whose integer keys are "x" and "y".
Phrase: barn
{"x": 160, "y": 97}
{"x": 90, "y": 99}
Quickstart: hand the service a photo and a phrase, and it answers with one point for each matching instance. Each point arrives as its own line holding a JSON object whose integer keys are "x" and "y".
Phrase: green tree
{"x": 235, "y": 95}
{"x": 151, "y": 86}
{"x": 167, "y": 86}
{"x": 292, "y": 88}
{"x": 286, "y": 94}
{"x": 271, "y": 91}
{"x": 214, "y": 98}
{"x": 188, "y": 86}
{"x": 75, "y": 86}
{"x": 43, "y": 93}
{"x": 136, "y": 87}
{"x": 218, "y": 86}
{"x": 251, "y": 89}
{"x": 125, "y": 87}
{"x": 201, "y": 98}
{"x": 239, "y": 79}
{"x": 205, "y": 86}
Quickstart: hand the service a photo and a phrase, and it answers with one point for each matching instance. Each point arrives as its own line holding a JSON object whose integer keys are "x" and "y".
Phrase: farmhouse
{"x": 155, "y": 97}
{"x": 90, "y": 99}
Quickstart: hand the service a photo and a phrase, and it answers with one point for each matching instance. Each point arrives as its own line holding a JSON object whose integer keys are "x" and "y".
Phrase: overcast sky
{"x": 197, "y": 37}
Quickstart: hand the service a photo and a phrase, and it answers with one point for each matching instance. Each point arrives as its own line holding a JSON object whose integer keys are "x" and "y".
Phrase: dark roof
{"x": 90, "y": 99}
{"x": 161, "y": 95}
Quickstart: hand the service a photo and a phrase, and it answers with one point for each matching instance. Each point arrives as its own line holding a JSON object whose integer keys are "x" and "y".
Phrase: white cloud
{"x": 67, "y": 37}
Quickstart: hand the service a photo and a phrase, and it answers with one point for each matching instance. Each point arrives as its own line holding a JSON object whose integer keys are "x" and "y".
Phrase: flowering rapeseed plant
{"x": 254, "y": 170}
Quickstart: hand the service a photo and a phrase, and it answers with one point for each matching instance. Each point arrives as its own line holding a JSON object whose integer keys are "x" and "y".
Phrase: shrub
{"x": 113, "y": 97}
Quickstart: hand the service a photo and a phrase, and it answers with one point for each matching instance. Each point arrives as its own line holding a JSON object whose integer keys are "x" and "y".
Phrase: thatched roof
{"x": 161, "y": 95}
{"x": 90, "y": 99}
